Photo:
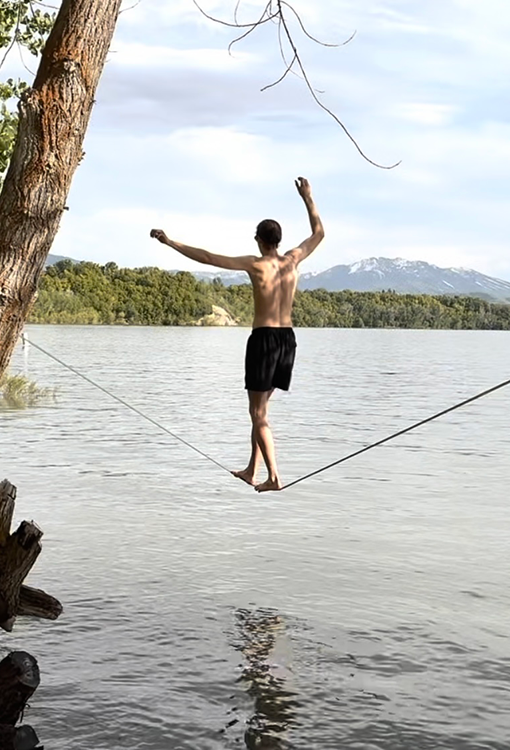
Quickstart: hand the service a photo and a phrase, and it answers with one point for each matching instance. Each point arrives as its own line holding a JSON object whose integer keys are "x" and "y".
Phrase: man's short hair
{"x": 269, "y": 232}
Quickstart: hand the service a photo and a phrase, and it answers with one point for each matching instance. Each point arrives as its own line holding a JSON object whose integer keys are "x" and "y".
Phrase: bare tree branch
{"x": 254, "y": 26}
{"x": 286, "y": 73}
{"x": 290, "y": 66}
{"x": 272, "y": 13}
{"x": 236, "y": 10}
{"x": 46, "y": 5}
{"x": 300, "y": 21}
{"x": 131, "y": 7}
{"x": 20, "y": 50}
{"x": 323, "y": 106}
{"x": 14, "y": 38}
{"x": 240, "y": 25}
{"x": 282, "y": 52}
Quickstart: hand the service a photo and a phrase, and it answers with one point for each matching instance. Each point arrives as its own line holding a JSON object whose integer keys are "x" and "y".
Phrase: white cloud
{"x": 426, "y": 114}
{"x": 238, "y": 157}
{"x": 136, "y": 54}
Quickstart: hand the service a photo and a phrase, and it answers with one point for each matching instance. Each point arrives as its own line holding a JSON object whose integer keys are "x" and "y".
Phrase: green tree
{"x": 89, "y": 293}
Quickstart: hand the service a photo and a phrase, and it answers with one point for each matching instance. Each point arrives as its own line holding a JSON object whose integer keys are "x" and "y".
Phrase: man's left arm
{"x": 239, "y": 263}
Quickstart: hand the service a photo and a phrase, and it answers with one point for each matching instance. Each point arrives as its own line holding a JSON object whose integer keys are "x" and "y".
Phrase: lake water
{"x": 364, "y": 609}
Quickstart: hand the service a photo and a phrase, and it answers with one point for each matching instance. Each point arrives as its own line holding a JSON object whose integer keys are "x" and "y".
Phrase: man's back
{"x": 274, "y": 280}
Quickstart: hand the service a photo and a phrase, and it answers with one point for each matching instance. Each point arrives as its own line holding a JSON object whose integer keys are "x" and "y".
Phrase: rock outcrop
{"x": 218, "y": 317}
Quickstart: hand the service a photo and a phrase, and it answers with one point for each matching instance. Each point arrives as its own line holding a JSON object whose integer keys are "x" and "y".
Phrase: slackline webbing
{"x": 128, "y": 406}
{"x": 397, "y": 434}
{"x": 306, "y": 476}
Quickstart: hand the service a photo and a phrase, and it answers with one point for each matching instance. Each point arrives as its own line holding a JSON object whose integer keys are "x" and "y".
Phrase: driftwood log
{"x": 19, "y": 673}
{"x": 19, "y": 678}
{"x": 18, "y": 553}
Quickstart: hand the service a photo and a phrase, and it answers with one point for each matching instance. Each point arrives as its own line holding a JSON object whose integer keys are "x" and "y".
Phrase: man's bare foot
{"x": 270, "y": 485}
{"x": 246, "y": 476}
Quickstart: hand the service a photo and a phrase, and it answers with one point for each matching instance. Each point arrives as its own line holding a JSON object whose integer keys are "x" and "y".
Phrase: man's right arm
{"x": 307, "y": 247}
{"x": 239, "y": 263}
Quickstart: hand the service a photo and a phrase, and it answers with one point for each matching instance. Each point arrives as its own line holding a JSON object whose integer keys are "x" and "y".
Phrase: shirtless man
{"x": 271, "y": 347}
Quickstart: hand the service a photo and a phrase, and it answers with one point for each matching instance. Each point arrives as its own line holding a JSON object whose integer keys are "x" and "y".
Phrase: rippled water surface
{"x": 364, "y": 609}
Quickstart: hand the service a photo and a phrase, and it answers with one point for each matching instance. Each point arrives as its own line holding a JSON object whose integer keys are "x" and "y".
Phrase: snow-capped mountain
{"x": 406, "y": 277}
{"x": 403, "y": 276}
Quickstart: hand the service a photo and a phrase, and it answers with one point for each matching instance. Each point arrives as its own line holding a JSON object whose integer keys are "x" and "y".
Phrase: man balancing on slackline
{"x": 271, "y": 347}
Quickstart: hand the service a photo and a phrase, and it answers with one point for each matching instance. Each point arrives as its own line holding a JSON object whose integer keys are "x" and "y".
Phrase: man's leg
{"x": 249, "y": 475}
{"x": 263, "y": 436}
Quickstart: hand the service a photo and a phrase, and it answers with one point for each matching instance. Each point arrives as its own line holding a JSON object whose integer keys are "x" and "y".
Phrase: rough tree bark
{"x": 54, "y": 116}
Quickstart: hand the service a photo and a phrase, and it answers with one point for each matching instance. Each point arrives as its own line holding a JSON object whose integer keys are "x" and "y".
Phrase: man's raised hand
{"x": 303, "y": 188}
{"x": 158, "y": 234}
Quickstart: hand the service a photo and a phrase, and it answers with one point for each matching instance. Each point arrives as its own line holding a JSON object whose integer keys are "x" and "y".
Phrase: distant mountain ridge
{"x": 406, "y": 277}
{"x": 52, "y": 259}
{"x": 402, "y": 276}
{"x": 377, "y": 274}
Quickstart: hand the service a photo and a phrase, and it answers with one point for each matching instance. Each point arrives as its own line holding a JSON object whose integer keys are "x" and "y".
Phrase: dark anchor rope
{"x": 400, "y": 432}
{"x": 306, "y": 476}
{"x": 129, "y": 406}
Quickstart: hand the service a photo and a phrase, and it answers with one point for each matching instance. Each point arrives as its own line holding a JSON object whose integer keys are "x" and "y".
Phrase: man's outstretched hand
{"x": 303, "y": 188}
{"x": 158, "y": 234}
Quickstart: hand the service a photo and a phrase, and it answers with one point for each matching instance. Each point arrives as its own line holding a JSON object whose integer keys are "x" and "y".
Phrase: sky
{"x": 183, "y": 139}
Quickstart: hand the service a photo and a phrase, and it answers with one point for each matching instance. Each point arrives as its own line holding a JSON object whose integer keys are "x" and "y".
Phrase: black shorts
{"x": 270, "y": 354}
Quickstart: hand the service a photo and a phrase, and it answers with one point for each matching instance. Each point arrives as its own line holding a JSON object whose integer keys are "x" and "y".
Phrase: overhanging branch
{"x": 277, "y": 10}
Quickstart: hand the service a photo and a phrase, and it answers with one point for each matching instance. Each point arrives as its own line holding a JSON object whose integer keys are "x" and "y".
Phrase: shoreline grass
{"x": 19, "y": 392}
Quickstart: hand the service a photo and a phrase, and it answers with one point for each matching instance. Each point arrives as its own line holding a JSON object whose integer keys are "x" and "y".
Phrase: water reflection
{"x": 275, "y": 707}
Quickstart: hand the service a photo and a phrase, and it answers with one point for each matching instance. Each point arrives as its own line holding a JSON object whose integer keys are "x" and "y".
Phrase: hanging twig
{"x": 307, "y": 33}
{"x": 20, "y": 50}
{"x": 267, "y": 10}
{"x": 14, "y": 38}
{"x": 323, "y": 106}
{"x": 47, "y": 5}
{"x": 289, "y": 66}
{"x": 131, "y": 7}
{"x": 282, "y": 77}
{"x": 253, "y": 26}
{"x": 236, "y": 10}
{"x": 274, "y": 11}
{"x": 25, "y": 20}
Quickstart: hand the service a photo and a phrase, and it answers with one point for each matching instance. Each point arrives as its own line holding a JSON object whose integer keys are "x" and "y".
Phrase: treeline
{"x": 87, "y": 293}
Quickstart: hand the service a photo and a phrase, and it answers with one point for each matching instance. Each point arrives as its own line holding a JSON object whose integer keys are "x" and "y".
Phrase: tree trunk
{"x": 54, "y": 116}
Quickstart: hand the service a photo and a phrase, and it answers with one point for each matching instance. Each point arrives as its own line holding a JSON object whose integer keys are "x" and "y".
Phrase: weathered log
{"x": 7, "y": 501}
{"x": 37, "y": 603}
{"x": 23, "y": 738}
{"x": 17, "y": 557}
{"x": 19, "y": 678}
{"x": 18, "y": 553}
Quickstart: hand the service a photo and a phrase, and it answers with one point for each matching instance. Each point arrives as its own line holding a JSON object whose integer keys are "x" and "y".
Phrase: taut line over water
{"x": 394, "y": 435}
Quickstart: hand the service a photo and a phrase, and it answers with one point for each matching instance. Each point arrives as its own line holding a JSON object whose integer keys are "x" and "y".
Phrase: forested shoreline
{"x": 88, "y": 293}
